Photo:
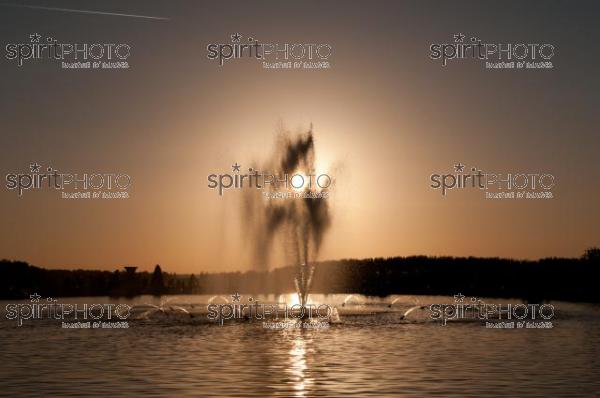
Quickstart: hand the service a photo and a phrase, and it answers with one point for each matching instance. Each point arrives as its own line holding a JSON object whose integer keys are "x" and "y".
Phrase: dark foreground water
{"x": 370, "y": 351}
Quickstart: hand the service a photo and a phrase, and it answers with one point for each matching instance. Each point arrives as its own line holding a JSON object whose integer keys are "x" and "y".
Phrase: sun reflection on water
{"x": 297, "y": 368}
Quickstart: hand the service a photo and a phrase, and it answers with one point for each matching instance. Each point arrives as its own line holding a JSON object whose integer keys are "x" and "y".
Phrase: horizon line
{"x": 119, "y": 267}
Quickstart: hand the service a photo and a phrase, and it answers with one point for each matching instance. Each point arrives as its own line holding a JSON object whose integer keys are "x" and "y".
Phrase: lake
{"x": 171, "y": 349}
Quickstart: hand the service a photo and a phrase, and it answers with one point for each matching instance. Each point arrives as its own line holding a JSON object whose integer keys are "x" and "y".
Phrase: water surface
{"x": 371, "y": 352}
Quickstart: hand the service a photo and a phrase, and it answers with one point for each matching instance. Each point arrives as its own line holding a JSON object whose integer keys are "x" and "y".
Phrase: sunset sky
{"x": 385, "y": 118}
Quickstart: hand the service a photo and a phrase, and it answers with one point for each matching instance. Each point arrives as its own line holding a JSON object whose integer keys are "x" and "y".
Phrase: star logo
{"x": 459, "y": 298}
{"x": 459, "y": 38}
{"x": 235, "y": 38}
{"x": 236, "y": 297}
{"x": 35, "y": 297}
{"x": 459, "y": 168}
{"x": 34, "y": 167}
{"x": 35, "y": 38}
{"x": 235, "y": 167}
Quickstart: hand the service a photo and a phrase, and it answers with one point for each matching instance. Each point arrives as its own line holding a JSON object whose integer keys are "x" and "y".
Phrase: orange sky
{"x": 385, "y": 117}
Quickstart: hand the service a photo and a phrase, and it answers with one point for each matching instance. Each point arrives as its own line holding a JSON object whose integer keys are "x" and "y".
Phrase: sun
{"x": 300, "y": 181}
{"x": 315, "y": 180}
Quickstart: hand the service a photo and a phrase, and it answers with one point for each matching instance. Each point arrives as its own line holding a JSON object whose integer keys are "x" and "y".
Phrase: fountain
{"x": 162, "y": 308}
{"x": 299, "y": 221}
{"x": 303, "y": 281}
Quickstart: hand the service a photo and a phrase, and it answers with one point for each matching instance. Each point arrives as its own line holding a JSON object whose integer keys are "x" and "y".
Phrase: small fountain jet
{"x": 164, "y": 309}
{"x": 411, "y": 309}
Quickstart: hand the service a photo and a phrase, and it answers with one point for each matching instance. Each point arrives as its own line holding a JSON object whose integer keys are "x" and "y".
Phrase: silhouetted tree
{"x": 192, "y": 286}
{"x": 157, "y": 283}
{"x": 592, "y": 254}
{"x": 114, "y": 283}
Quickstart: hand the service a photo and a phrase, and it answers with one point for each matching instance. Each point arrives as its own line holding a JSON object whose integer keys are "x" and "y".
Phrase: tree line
{"x": 571, "y": 279}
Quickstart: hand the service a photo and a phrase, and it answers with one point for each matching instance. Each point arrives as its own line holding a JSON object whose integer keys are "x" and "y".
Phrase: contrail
{"x": 83, "y": 11}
